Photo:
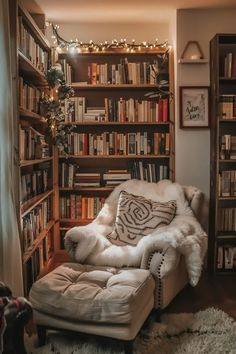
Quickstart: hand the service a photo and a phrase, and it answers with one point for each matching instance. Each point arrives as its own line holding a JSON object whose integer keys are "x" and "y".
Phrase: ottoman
{"x": 103, "y": 301}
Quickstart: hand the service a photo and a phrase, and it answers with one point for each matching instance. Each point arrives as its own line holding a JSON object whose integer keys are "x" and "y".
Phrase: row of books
{"x": 67, "y": 70}
{"x": 29, "y": 96}
{"x": 227, "y": 219}
{"x": 150, "y": 172}
{"x": 30, "y": 48}
{"x": 77, "y": 207}
{"x": 37, "y": 262}
{"x": 124, "y": 72}
{"x": 227, "y": 106}
{"x": 227, "y": 147}
{"x": 32, "y": 144}
{"x": 228, "y": 65}
{"x": 116, "y": 110}
{"x": 227, "y": 184}
{"x": 114, "y": 143}
{"x": 35, "y": 183}
{"x": 71, "y": 177}
{"x": 34, "y": 222}
{"x": 226, "y": 257}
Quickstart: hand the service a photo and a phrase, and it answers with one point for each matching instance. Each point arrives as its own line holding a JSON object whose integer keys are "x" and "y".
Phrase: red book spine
{"x": 165, "y": 110}
{"x": 160, "y": 110}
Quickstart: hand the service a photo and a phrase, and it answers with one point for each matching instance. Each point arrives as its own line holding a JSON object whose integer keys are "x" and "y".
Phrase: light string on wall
{"x": 91, "y": 46}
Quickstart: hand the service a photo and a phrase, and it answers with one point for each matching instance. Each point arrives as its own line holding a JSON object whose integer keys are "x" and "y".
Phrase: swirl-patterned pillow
{"x": 137, "y": 217}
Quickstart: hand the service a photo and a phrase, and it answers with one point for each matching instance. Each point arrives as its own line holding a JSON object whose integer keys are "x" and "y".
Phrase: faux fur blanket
{"x": 184, "y": 235}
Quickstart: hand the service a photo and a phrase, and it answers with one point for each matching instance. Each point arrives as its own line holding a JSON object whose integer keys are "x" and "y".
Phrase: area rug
{"x": 206, "y": 332}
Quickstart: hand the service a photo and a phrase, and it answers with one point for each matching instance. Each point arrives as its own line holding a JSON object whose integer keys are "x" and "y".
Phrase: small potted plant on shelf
{"x": 162, "y": 85}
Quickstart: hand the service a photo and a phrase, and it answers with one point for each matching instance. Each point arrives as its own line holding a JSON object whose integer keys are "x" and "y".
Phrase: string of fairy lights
{"x": 91, "y": 46}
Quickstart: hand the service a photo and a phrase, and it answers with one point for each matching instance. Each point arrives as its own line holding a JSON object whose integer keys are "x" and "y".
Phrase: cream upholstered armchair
{"x": 143, "y": 247}
{"x": 173, "y": 252}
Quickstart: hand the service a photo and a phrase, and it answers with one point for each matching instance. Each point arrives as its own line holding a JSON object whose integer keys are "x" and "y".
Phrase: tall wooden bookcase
{"x": 222, "y": 228}
{"x": 105, "y": 83}
{"x": 36, "y": 157}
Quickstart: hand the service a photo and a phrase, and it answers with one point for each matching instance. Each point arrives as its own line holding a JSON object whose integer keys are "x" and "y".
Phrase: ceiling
{"x": 61, "y": 11}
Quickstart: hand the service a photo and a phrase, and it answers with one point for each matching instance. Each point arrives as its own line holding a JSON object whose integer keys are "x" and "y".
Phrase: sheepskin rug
{"x": 206, "y": 332}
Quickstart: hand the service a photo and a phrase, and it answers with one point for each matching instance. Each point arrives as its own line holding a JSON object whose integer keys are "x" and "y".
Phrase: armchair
{"x": 110, "y": 289}
{"x": 173, "y": 253}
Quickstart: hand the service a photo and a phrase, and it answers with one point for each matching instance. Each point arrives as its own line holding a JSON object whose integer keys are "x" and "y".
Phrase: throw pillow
{"x": 137, "y": 217}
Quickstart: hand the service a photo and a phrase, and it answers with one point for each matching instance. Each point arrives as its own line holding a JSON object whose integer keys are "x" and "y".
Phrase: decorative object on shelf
{"x": 192, "y": 51}
{"x": 194, "y": 107}
{"x": 76, "y": 45}
{"x": 50, "y": 107}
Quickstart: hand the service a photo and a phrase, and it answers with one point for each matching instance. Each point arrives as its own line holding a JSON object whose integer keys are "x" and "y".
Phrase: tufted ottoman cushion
{"x": 93, "y": 294}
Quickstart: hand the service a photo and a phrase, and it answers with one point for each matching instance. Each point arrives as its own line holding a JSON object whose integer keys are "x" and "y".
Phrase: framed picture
{"x": 194, "y": 107}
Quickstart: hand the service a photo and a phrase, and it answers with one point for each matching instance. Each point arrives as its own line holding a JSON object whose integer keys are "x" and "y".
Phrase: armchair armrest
{"x": 80, "y": 240}
{"x": 160, "y": 261}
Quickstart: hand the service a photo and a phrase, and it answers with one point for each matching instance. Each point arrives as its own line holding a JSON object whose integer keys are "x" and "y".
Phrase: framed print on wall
{"x": 194, "y": 107}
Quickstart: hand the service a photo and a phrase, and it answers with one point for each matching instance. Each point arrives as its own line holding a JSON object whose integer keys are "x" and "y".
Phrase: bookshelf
{"x": 36, "y": 155}
{"x": 119, "y": 133}
{"x": 222, "y": 230}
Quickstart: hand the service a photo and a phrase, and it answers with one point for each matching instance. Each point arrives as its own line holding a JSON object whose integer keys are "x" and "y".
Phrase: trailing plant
{"x": 51, "y": 108}
{"x": 162, "y": 85}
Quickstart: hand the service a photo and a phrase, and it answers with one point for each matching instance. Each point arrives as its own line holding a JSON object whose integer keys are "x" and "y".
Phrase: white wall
{"x": 193, "y": 146}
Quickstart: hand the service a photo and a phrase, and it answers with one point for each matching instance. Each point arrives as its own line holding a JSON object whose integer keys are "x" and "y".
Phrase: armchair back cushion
{"x": 137, "y": 217}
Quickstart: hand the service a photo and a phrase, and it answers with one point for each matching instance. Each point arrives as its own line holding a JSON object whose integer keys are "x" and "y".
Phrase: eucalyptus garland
{"x": 51, "y": 108}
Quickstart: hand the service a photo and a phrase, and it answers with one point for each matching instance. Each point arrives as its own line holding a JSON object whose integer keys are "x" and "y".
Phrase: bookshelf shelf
{"x": 31, "y": 24}
{"x": 116, "y": 123}
{"x": 34, "y": 162}
{"x": 222, "y": 243}
{"x": 229, "y": 120}
{"x": 116, "y": 157}
{"x": 225, "y": 78}
{"x": 33, "y": 202}
{"x": 38, "y": 240}
{"x": 31, "y": 116}
{"x": 193, "y": 61}
{"x": 86, "y": 189}
{"x": 114, "y": 87}
{"x": 227, "y": 198}
{"x": 27, "y": 69}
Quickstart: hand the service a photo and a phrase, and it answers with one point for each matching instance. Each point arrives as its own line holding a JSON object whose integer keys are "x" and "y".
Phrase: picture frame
{"x": 194, "y": 107}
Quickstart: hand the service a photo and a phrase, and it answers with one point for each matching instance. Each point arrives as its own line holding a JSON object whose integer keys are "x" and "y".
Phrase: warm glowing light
{"x": 78, "y": 46}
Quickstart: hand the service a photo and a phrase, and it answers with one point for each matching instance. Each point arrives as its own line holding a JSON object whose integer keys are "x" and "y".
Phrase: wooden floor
{"x": 211, "y": 291}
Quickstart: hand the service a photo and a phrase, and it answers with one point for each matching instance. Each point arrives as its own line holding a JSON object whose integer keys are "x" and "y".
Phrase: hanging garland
{"x": 91, "y": 46}
{"x": 51, "y": 108}
{"x": 161, "y": 89}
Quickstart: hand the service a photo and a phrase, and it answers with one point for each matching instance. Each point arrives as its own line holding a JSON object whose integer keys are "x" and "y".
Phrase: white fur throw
{"x": 184, "y": 235}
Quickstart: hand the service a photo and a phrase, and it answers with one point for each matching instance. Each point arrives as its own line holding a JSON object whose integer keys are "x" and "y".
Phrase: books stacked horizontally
{"x": 94, "y": 114}
{"x": 115, "y": 177}
{"x": 87, "y": 179}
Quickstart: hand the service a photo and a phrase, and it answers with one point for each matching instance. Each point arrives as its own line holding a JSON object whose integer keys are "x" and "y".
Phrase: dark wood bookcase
{"x": 222, "y": 225}
{"x": 88, "y": 85}
{"x": 36, "y": 169}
